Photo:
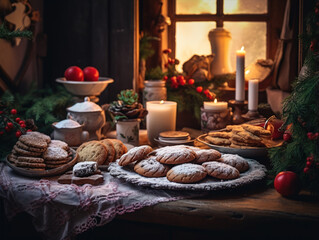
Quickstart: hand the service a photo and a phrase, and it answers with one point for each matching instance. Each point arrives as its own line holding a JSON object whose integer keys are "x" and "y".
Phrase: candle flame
{"x": 247, "y": 71}
{"x": 242, "y": 48}
{"x": 215, "y": 101}
{"x": 162, "y": 101}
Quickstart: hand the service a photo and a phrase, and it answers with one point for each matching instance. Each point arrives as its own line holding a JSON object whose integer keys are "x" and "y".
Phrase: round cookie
{"x": 174, "y": 134}
{"x": 55, "y": 154}
{"x": 92, "y": 151}
{"x": 110, "y": 151}
{"x": 20, "y": 151}
{"x": 55, "y": 162}
{"x": 175, "y": 155}
{"x": 33, "y": 141}
{"x": 39, "y": 135}
{"x": 186, "y": 173}
{"x": 30, "y": 159}
{"x": 151, "y": 168}
{"x": 21, "y": 145}
{"x": 12, "y": 158}
{"x": 206, "y": 155}
{"x": 119, "y": 147}
{"x": 30, "y": 165}
{"x": 235, "y": 161}
{"x": 221, "y": 170}
{"x": 135, "y": 154}
{"x": 59, "y": 143}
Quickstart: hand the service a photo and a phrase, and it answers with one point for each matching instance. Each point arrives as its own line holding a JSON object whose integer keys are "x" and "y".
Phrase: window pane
{"x": 245, "y": 6}
{"x": 192, "y": 38}
{"x": 251, "y": 35}
{"x": 195, "y": 6}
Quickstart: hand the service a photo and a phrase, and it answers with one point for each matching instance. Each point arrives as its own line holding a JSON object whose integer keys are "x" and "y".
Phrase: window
{"x": 248, "y": 22}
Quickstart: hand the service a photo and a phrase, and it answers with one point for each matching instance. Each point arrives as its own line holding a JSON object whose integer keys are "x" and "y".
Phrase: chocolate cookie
{"x": 151, "y": 168}
{"x": 135, "y": 154}
{"x": 186, "y": 173}
{"x": 221, "y": 170}
{"x": 33, "y": 141}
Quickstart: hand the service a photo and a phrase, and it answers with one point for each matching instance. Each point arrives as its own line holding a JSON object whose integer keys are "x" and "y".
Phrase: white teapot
{"x": 90, "y": 115}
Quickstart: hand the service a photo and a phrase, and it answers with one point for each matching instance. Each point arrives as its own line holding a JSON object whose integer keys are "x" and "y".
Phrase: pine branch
{"x": 5, "y": 33}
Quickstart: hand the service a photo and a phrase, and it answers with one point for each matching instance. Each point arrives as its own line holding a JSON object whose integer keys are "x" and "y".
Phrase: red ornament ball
{"x": 287, "y": 137}
{"x": 13, "y": 111}
{"x": 287, "y": 183}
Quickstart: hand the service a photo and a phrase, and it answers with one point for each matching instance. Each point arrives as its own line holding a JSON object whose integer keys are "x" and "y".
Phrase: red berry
{"x": 10, "y": 125}
{"x": 168, "y": 50}
{"x": 165, "y": 78}
{"x": 21, "y": 122}
{"x": 1, "y": 133}
{"x": 287, "y": 137}
{"x": 191, "y": 81}
{"x": 13, "y": 111}
{"x": 206, "y": 91}
{"x": 1, "y": 112}
{"x": 210, "y": 97}
{"x": 199, "y": 89}
{"x": 29, "y": 130}
{"x": 18, "y": 120}
{"x": 308, "y": 164}
{"x": 18, "y": 133}
{"x": 306, "y": 170}
{"x": 23, "y": 125}
{"x": 310, "y": 135}
{"x": 7, "y": 129}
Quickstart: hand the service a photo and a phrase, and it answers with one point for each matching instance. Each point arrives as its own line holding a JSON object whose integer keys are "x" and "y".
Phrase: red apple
{"x": 287, "y": 183}
{"x": 91, "y": 74}
{"x": 74, "y": 73}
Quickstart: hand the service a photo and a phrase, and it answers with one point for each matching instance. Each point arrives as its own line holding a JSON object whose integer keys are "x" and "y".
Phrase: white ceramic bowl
{"x": 86, "y": 88}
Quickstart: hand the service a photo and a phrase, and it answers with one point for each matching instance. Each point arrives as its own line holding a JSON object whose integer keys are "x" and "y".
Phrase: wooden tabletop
{"x": 246, "y": 212}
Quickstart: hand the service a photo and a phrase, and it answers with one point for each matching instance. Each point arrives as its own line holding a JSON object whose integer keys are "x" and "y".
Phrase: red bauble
{"x": 91, "y": 74}
{"x": 74, "y": 73}
{"x": 287, "y": 183}
{"x": 199, "y": 89}
{"x": 287, "y": 137}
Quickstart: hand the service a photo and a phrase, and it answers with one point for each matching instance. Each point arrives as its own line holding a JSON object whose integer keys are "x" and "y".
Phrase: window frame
{"x": 271, "y": 18}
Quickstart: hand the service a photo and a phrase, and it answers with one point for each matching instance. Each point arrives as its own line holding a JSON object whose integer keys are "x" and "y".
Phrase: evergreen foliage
{"x": 5, "y": 33}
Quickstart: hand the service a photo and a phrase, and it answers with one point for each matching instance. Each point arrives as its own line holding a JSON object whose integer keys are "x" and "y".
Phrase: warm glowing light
{"x": 231, "y": 6}
{"x": 247, "y": 71}
{"x": 215, "y": 101}
{"x": 242, "y": 48}
{"x": 162, "y": 102}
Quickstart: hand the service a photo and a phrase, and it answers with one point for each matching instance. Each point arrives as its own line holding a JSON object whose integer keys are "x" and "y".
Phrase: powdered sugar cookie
{"x": 55, "y": 154}
{"x": 186, "y": 173}
{"x": 206, "y": 155}
{"x": 175, "y": 154}
{"x": 221, "y": 170}
{"x": 235, "y": 161}
{"x": 60, "y": 144}
{"x": 135, "y": 154}
{"x": 151, "y": 168}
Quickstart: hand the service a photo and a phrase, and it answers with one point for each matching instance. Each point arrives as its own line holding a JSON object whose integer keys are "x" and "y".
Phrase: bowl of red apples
{"x": 86, "y": 82}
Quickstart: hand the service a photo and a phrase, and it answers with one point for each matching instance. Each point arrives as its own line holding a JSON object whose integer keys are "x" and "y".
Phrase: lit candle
{"x": 217, "y": 106}
{"x": 240, "y": 75}
{"x": 253, "y": 94}
{"x": 161, "y": 117}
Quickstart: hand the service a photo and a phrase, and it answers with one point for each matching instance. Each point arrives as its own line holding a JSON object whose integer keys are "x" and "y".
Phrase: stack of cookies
{"x": 239, "y": 136}
{"x": 184, "y": 164}
{"x": 36, "y": 151}
{"x": 173, "y": 138}
{"x": 102, "y": 152}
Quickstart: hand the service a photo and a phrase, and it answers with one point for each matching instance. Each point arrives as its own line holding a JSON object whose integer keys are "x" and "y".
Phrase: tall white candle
{"x": 161, "y": 117}
{"x": 253, "y": 94}
{"x": 240, "y": 75}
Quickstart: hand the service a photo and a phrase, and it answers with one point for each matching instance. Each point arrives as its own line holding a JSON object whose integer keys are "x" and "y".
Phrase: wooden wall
{"x": 97, "y": 33}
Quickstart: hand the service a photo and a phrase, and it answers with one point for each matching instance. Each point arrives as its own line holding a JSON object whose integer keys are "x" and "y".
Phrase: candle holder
{"x": 251, "y": 115}
{"x": 238, "y": 110}
{"x": 215, "y": 119}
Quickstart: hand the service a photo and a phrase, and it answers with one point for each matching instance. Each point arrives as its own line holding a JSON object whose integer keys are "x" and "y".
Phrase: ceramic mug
{"x": 72, "y": 136}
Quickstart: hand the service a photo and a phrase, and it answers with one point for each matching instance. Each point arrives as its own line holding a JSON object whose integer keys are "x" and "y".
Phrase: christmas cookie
{"x": 39, "y": 135}
{"x": 33, "y": 141}
{"x": 235, "y": 161}
{"x": 256, "y": 130}
{"x": 30, "y": 165}
{"x": 206, "y": 155}
{"x": 83, "y": 169}
{"x": 92, "y": 151}
{"x": 30, "y": 159}
{"x": 23, "y": 152}
{"x": 119, "y": 147}
{"x": 175, "y": 154}
{"x": 221, "y": 170}
{"x": 21, "y": 145}
{"x": 55, "y": 154}
{"x": 151, "y": 168}
{"x": 220, "y": 134}
{"x": 60, "y": 144}
{"x": 186, "y": 173}
{"x": 218, "y": 140}
{"x": 135, "y": 154}
{"x": 110, "y": 151}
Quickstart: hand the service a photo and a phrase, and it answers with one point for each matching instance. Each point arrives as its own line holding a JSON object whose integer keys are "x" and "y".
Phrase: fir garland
{"x": 5, "y": 33}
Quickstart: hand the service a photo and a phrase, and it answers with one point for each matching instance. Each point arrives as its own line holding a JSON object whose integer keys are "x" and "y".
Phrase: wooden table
{"x": 247, "y": 213}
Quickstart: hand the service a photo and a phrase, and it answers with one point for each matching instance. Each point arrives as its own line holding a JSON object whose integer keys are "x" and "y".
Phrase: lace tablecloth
{"x": 60, "y": 211}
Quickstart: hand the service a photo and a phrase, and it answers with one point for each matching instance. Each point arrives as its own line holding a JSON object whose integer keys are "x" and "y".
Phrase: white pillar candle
{"x": 217, "y": 106}
{"x": 240, "y": 75}
{"x": 253, "y": 94}
{"x": 161, "y": 117}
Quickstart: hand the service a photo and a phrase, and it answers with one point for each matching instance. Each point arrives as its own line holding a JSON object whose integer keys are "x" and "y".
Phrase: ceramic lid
{"x": 86, "y": 106}
{"x": 67, "y": 123}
